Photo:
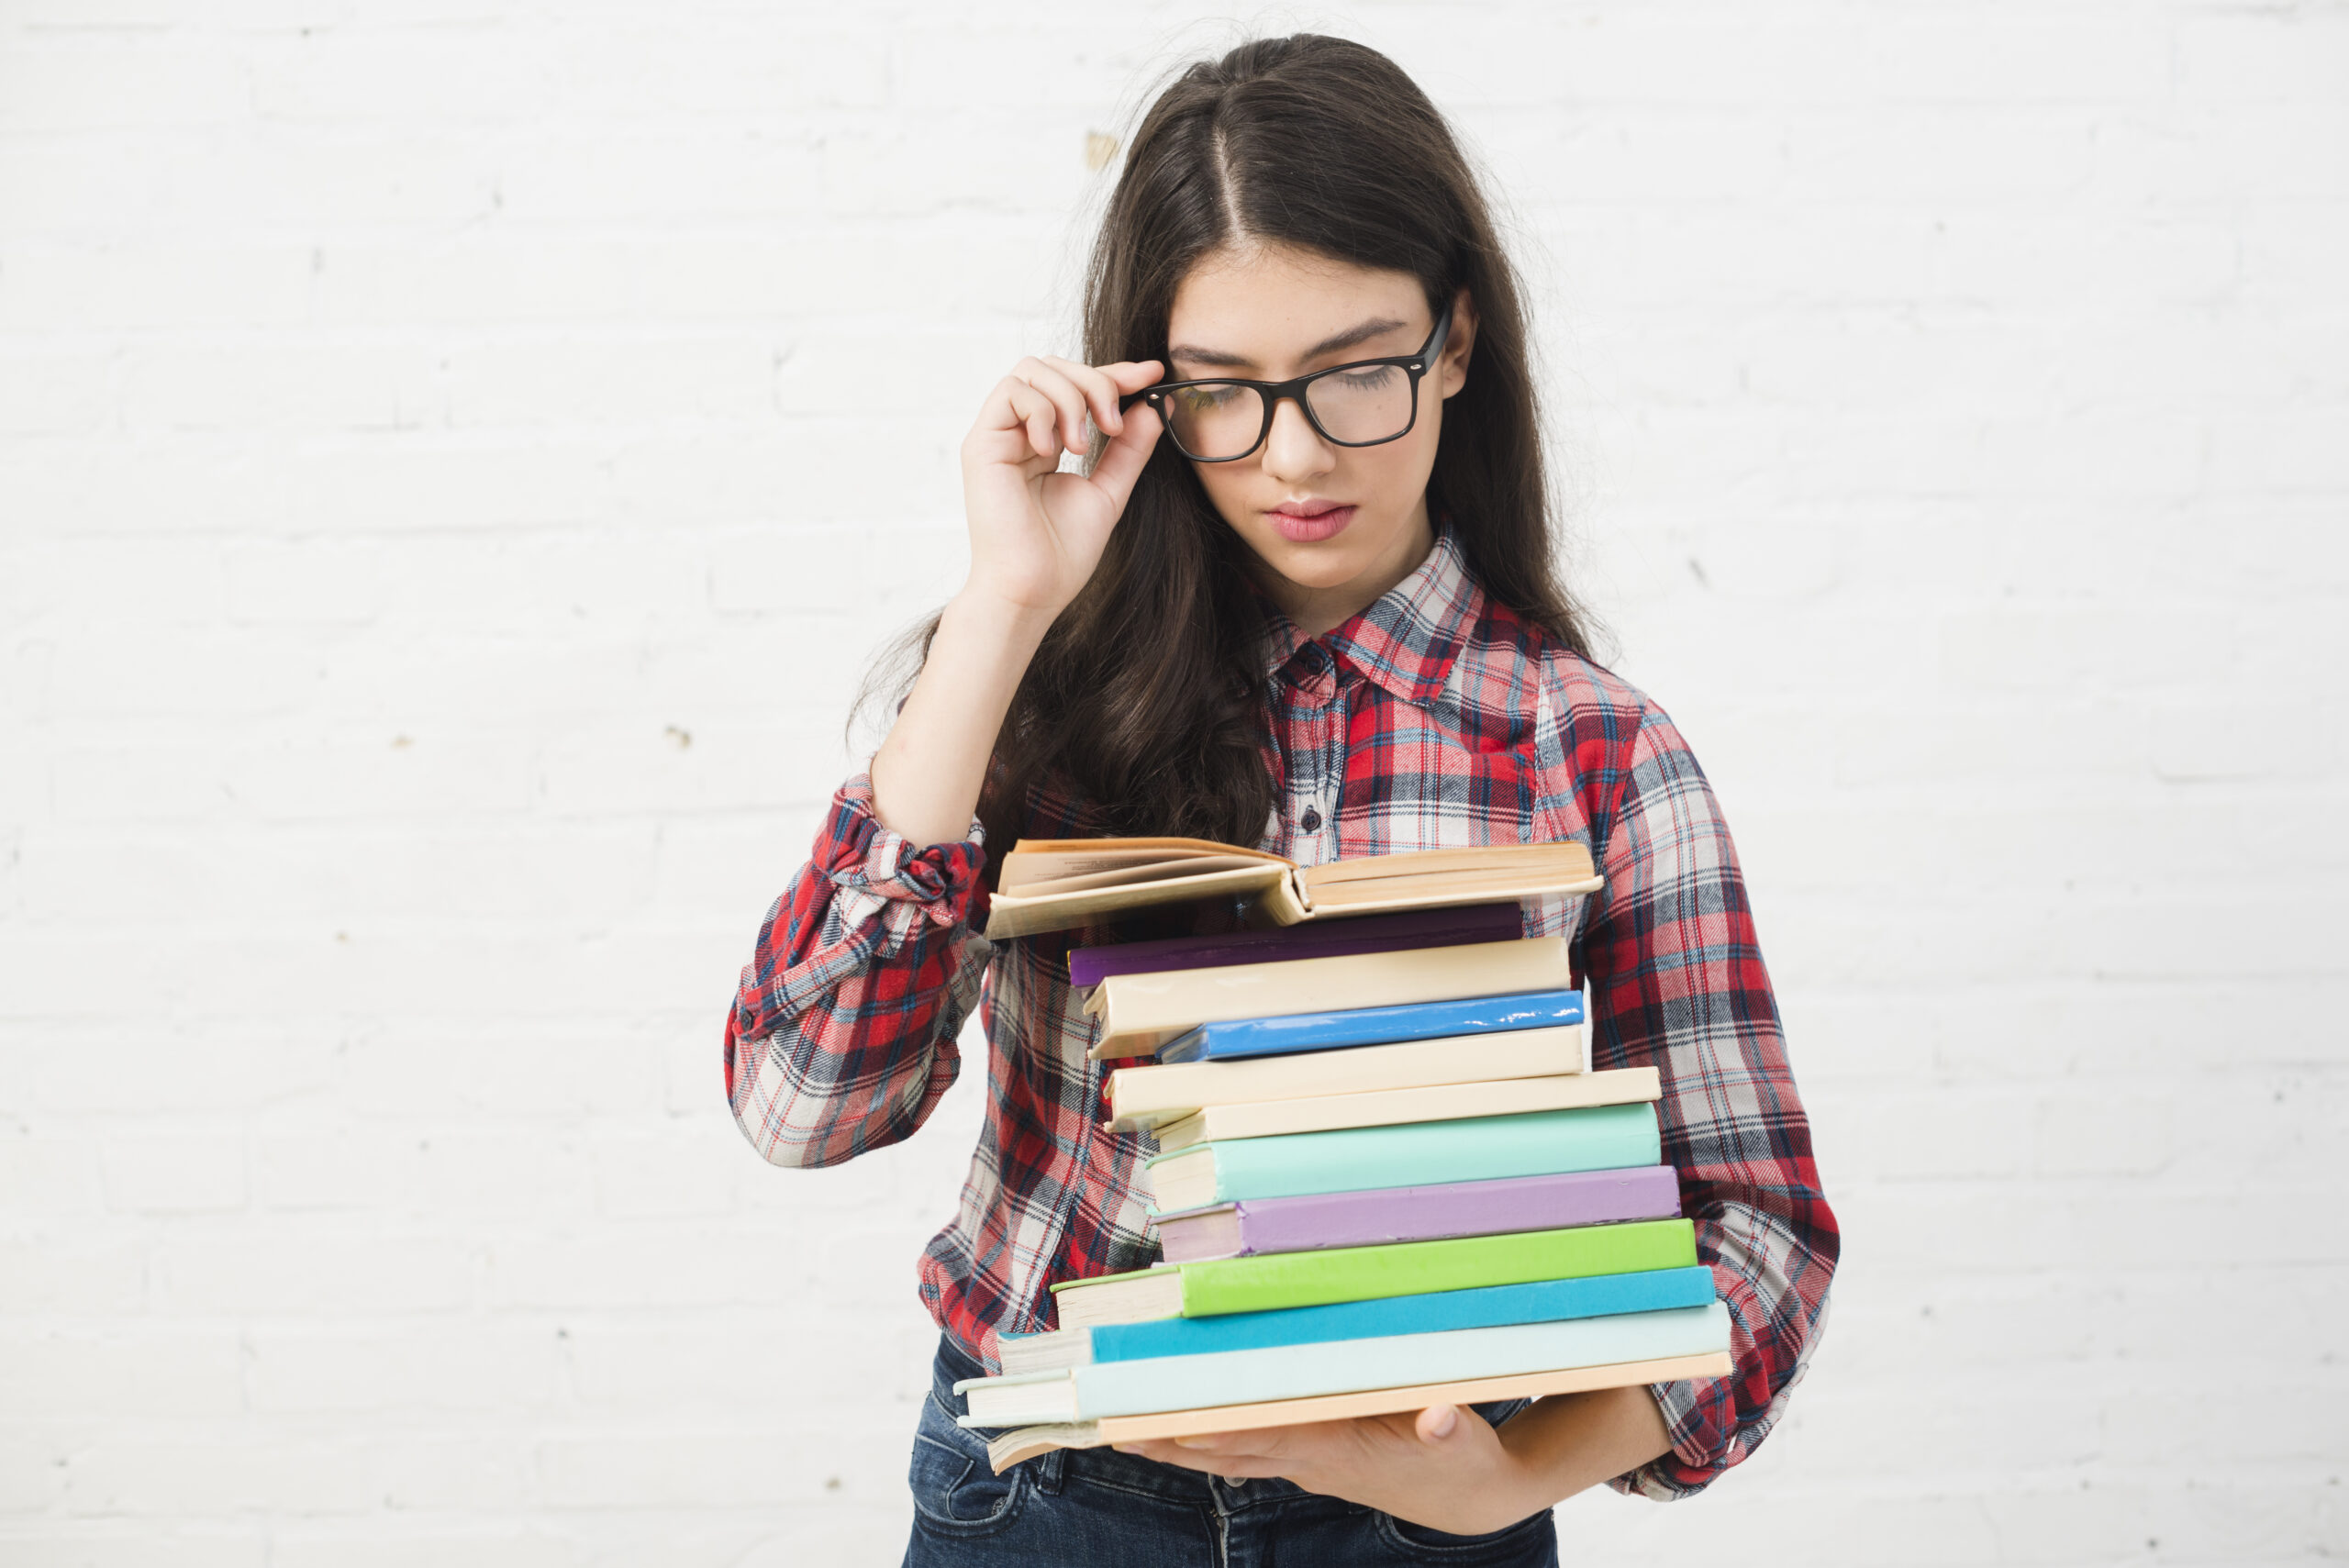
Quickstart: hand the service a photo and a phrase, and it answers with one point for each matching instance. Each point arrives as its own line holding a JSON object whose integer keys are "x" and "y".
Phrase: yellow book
{"x": 1391, "y": 1108}
{"x": 1143, "y": 1098}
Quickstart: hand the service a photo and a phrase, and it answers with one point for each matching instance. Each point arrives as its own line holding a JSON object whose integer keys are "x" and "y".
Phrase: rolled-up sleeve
{"x": 843, "y": 1034}
{"x": 1677, "y": 983}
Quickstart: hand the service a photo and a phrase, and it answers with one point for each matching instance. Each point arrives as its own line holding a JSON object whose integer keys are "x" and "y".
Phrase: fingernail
{"x": 1445, "y": 1422}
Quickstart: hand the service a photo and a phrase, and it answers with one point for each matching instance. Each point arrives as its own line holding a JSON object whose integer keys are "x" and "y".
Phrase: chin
{"x": 1332, "y": 564}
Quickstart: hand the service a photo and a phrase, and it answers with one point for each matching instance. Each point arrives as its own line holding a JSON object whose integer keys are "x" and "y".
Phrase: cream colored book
{"x": 1144, "y": 1097}
{"x": 1138, "y": 1013}
{"x": 1391, "y": 1108}
{"x": 1051, "y": 884}
{"x": 1010, "y": 1447}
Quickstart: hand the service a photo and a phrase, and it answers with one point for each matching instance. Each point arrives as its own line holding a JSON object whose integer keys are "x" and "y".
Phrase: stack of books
{"x": 1387, "y": 1179}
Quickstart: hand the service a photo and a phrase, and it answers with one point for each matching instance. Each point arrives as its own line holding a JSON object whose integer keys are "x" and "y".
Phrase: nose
{"x": 1295, "y": 449}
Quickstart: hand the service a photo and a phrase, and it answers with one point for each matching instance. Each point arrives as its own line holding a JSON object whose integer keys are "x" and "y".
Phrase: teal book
{"x": 1303, "y": 1371}
{"x": 1476, "y": 1149}
{"x": 1493, "y": 1307}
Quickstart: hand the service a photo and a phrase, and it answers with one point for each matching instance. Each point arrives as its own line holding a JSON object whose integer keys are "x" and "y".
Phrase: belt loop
{"x": 1052, "y": 1472}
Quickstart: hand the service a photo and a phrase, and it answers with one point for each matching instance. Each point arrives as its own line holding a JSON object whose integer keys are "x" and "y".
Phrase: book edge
{"x": 1024, "y": 1443}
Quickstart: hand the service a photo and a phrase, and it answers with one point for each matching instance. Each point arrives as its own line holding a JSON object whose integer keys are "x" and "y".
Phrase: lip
{"x": 1310, "y": 521}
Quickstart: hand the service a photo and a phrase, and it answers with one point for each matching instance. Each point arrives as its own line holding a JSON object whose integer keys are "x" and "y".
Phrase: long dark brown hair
{"x": 1144, "y": 702}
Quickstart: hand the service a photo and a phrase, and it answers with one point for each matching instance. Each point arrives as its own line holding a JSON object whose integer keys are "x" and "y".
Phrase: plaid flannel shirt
{"x": 1436, "y": 717}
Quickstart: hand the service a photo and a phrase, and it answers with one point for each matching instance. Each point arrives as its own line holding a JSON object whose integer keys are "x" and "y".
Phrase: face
{"x": 1333, "y": 527}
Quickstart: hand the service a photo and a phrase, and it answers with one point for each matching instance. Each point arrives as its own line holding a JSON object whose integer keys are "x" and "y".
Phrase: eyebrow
{"x": 1336, "y": 342}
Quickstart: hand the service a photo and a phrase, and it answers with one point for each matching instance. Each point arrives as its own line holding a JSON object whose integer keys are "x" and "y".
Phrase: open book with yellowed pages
{"x": 1051, "y": 884}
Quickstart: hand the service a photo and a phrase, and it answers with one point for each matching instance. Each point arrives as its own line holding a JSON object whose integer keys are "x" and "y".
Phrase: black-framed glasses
{"x": 1363, "y": 403}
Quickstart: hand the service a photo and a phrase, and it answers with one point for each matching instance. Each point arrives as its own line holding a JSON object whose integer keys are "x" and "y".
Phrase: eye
{"x": 1200, "y": 399}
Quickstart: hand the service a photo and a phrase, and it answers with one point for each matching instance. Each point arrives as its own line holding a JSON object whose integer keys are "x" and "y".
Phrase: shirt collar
{"x": 1406, "y": 639}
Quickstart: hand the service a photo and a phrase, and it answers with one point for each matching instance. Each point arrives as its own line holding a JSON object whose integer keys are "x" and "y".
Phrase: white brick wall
{"x": 456, "y": 455}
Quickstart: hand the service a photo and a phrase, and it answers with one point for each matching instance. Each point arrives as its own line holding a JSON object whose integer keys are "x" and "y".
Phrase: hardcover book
{"x": 1424, "y": 1312}
{"x": 1143, "y": 1098}
{"x": 1282, "y": 1034}
{"x": 1345, "y": 1366}
{"x": 1138, "y": 1013}
{"x": 1543, "y": 1143}
{"x": 1026, "y": 1442}
{"x": 1317, "y": 1221}
{"x": 1390, "y": 1107}
{"x": 1088, "y": 967}
{"x": 1360, "y": 1273}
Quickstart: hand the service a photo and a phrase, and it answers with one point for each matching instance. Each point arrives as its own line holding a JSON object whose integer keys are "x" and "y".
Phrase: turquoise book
{"x": 1474, "y": 1149}
{"x": 1490, "y": 1307}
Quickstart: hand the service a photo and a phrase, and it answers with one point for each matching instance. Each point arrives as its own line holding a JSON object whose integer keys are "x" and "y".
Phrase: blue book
{"x": 1373, "y": 1026}
{"x": 1546, "y": 1301}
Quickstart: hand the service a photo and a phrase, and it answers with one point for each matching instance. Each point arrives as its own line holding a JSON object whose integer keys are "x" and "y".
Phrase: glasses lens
{"x": 1214, "y": 420}
{"x": 1373, "y": 403}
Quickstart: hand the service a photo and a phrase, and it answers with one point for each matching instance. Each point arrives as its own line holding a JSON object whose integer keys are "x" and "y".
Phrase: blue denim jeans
{"x": 1076, "y": 1508}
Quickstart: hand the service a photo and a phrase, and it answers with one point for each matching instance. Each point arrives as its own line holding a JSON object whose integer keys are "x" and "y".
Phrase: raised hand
{"x": 1037, "y": 533}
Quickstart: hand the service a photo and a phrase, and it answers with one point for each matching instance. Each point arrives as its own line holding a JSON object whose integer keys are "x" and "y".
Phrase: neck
{"x": 1318, "y": 609}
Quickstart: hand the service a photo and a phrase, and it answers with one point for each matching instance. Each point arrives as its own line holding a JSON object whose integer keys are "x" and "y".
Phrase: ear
{"x": 1451, "y": 365}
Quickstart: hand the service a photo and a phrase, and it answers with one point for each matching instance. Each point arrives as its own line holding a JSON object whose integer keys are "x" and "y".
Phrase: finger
{"x": 1436, "y": 1423}
{"x": 1123, "y": 460}
{"x": 1222, "y": 1446}
{"x": 1034, "y": 410}
{"x": 1238, "y": 1468}
{"x": 1100, "y": 393}
{"x": 1067, "y": 401}
{"x": 1133, "y": 375}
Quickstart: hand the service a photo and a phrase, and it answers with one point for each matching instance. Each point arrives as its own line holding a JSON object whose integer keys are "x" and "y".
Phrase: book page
{"x": 1129, "y": 875}
{"x": 1012, "y": 914}
{"x": 1564, "y": 860}
{"x": 1445, "y": 887}
{"x": 1035, "y": 860}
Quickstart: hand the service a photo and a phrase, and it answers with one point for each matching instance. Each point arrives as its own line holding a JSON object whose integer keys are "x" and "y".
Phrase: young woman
{"x": 1317, "y": 613}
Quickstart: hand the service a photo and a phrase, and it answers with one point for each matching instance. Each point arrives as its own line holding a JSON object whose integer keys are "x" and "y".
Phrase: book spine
{"x": 1088, "y": 967}
{"x": 1234, "y": 1039}
{"x": 1380, "y": 1216}
{"x": 1543, "y": 1301}
{"x": 1296, "y": 1372}
{"x": 1359, "y": 1274}
{"x": 1011, "y": 1447}
{"x": 1430, "y": 1102}
{"x": 1135, "y": 1005}
{"x": 1539, "y": 1143}
{"x": 1144, "y": 1096}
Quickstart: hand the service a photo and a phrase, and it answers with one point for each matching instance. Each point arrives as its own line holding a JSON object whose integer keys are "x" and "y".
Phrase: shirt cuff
{"x": 1675, "y": 1475}
{"x": 871, "y": 867}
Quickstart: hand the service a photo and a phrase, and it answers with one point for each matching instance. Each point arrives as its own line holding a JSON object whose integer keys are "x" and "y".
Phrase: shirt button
{"x": 1311, "y": 821}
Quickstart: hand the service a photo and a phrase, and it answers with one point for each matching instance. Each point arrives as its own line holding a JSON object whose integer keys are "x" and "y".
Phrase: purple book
{"x": 1255, "y": 1225}
{"x": 1088, "y": 967}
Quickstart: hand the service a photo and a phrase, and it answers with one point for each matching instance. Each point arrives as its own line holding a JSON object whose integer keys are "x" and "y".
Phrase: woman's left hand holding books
{"x": 1444, "y": 1468}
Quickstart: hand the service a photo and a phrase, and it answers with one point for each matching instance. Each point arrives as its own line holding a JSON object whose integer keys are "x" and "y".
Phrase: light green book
{"x": 1358, "y": 1158}
{"x": 1283, "y": 1280}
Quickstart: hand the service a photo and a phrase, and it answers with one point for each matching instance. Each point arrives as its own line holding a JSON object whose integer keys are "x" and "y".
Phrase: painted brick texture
{"x": 457, "y": 456}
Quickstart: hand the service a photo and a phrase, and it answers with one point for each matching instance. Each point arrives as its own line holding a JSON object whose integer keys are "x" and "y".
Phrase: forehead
{"x": 1273, "y": 302}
